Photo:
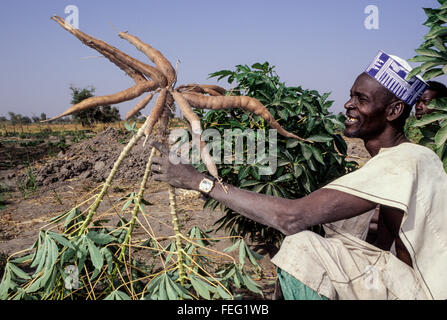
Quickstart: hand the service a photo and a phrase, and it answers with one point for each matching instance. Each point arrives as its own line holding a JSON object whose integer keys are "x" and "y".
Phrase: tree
{"x": 26, "y": 120}
{"x": 105, "y": 114}
{"x": 84, "y": 117}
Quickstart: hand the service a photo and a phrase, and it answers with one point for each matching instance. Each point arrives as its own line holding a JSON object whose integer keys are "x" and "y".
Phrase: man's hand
{"x": 177, "y": 175}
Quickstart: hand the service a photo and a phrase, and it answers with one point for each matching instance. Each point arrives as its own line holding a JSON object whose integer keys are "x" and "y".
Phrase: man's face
{"x": 365, "y": 110}
{"x": 421, "y": 105}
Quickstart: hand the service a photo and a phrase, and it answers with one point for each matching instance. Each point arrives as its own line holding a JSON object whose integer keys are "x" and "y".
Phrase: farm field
{"x": 48, "y": 170}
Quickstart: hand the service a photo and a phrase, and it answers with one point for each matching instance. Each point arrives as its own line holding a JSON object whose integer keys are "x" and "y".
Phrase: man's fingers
{"x": 158, "y": 168}
{"x": 160, "y": 177}
{"x": 160, "y": 147}
{"x": 158, "y": 160}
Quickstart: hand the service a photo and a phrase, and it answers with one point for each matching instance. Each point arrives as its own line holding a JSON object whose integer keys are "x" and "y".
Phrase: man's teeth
{"x": 351, "y": 119}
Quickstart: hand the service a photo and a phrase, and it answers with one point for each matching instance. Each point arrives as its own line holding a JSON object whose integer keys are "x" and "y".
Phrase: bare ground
{"x": 64, "y": 181}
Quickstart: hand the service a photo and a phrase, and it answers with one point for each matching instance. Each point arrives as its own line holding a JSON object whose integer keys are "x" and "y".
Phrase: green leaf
{"x": 53, "y": 253}
{"x": 73, "y": 213}
{"x": 18, "y": 272}
{"x": 61, "y": 239}
{"x": 441, "y": 136}
{"x": 429, "y": 118}
{"x": 40, "y": 250}
{"x": 198, "y": 286}
{"x": 432, "y": 73}
{"x": 171, "y": 292}
{"x": 283, "y": 114}
{"x": 243, "y": 172}
{"x": 128, "y": 202}
{"x": 297, "y": 170}
{"x": 43, "y": 255}
{"x": 248, "y": 183}
{"x": 306, "y": 150}
{"x": 242, "y": 252}
{"x": 321, "y": 137}
{"x": 223, "y": 293}
{"x": 419, "y": 59}
{"x": 232, "y": 247}
{"x": 250, "y": 284}
{"x": 107, "y": 254}
{"x": 117, "y": 295}
{"x": 95, "y": 255}
{"x": 291, "y": 143}
{"x": 414, "y": 72}
{"x": 429, "y": 53}
{"x": 318, "y": 155}
{"x": 5, "y": 284}
{"x": 258, "y": 188}
{"x": 428, "y": 65}
{"x": 284, "y": 178}
{"x": 438, "y": 104}
{"x": 100, "y": 238}
{"x": 22, "y": 259}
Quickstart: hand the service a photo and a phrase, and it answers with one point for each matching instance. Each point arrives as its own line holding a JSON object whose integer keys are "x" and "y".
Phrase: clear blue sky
{"x": 320, "y": 44}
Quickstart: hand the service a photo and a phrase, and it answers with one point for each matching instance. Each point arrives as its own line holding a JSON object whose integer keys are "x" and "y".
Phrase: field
{"x": 49, "y": 169}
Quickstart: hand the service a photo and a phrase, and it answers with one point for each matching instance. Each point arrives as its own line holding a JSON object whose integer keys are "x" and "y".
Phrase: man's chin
{"x": 350, "y": 134}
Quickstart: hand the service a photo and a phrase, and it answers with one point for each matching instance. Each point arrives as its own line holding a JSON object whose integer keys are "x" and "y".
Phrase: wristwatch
{"x": 206, "y": 185}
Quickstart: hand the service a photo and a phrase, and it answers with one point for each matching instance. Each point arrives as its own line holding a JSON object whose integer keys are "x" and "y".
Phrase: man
{"x": 435, "y": 90}
{"x": 405, "y": 179}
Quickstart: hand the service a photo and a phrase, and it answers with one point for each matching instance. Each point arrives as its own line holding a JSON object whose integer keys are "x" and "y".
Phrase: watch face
{"x": 206, "y": 185}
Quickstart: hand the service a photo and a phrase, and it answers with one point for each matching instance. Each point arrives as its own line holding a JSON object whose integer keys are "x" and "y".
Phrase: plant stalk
{"x": 178, "y": 236}
{"x": 137, "y": 204}
{"x": 112, "y": 173}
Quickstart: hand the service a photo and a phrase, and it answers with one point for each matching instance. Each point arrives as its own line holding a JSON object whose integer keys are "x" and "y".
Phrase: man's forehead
{"x": 366, "y": 84}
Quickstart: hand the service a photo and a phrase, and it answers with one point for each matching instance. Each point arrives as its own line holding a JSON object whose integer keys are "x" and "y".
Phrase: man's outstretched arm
{"x": 285, "y": 215}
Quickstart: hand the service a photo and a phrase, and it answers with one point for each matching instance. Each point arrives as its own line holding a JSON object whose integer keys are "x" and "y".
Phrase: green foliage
{"x": 302, "y": 166}
{"x": 432, "y": 53}
{"x": 74, "y": 266}
{"x": 27, "y": 183}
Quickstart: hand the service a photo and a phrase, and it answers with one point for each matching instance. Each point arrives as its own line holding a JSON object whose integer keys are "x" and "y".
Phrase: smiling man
{"x": 406, "y": 180}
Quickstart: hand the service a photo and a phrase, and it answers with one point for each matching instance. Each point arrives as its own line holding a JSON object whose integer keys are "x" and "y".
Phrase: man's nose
{"x": 349, "y": 104}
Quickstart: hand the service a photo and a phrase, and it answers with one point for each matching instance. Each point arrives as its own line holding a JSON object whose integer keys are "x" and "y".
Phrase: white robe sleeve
{"x": 388, "y": 179}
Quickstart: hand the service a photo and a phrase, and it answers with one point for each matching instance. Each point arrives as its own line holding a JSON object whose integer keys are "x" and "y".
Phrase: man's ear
{"x": 395, "y": 110}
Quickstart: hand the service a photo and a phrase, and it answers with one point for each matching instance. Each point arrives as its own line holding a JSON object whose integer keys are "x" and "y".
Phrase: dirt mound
{"x": 94, "y": 158}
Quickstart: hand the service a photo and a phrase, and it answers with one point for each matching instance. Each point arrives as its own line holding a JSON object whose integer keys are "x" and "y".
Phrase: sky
{"x": 320, "y": 44}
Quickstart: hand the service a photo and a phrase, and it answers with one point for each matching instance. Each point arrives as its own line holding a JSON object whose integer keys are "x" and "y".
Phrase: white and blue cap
{"x": 391, "y": 72}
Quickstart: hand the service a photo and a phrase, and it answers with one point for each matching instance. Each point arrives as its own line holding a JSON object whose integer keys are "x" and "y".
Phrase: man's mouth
{"x": 351, "y": 120}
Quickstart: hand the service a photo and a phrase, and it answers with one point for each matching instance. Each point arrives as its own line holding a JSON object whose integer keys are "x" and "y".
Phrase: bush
{"x": 432, "y": 54}
{"x": 302, "y": 167}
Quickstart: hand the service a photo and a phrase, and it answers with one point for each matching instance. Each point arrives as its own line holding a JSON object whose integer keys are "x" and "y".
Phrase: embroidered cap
{"x": 391, "y": 72}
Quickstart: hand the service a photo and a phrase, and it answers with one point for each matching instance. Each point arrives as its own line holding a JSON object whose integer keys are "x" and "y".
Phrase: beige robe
{"x": 343, "y": 266}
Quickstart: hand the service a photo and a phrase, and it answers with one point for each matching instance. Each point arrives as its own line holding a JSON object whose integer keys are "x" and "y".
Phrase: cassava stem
{"x": 178, "y": 236}
{"x": 112, "y": 173}
{"x": 137, "y": 204}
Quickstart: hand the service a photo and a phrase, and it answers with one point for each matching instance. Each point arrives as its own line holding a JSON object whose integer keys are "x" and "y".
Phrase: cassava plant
{"x": 91, "y": 259}
{"x": 432, "y": 54}
{"x": 304, "y": 164}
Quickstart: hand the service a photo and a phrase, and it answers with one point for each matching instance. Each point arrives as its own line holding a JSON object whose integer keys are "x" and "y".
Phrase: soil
{"x": 61, "y": 182}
